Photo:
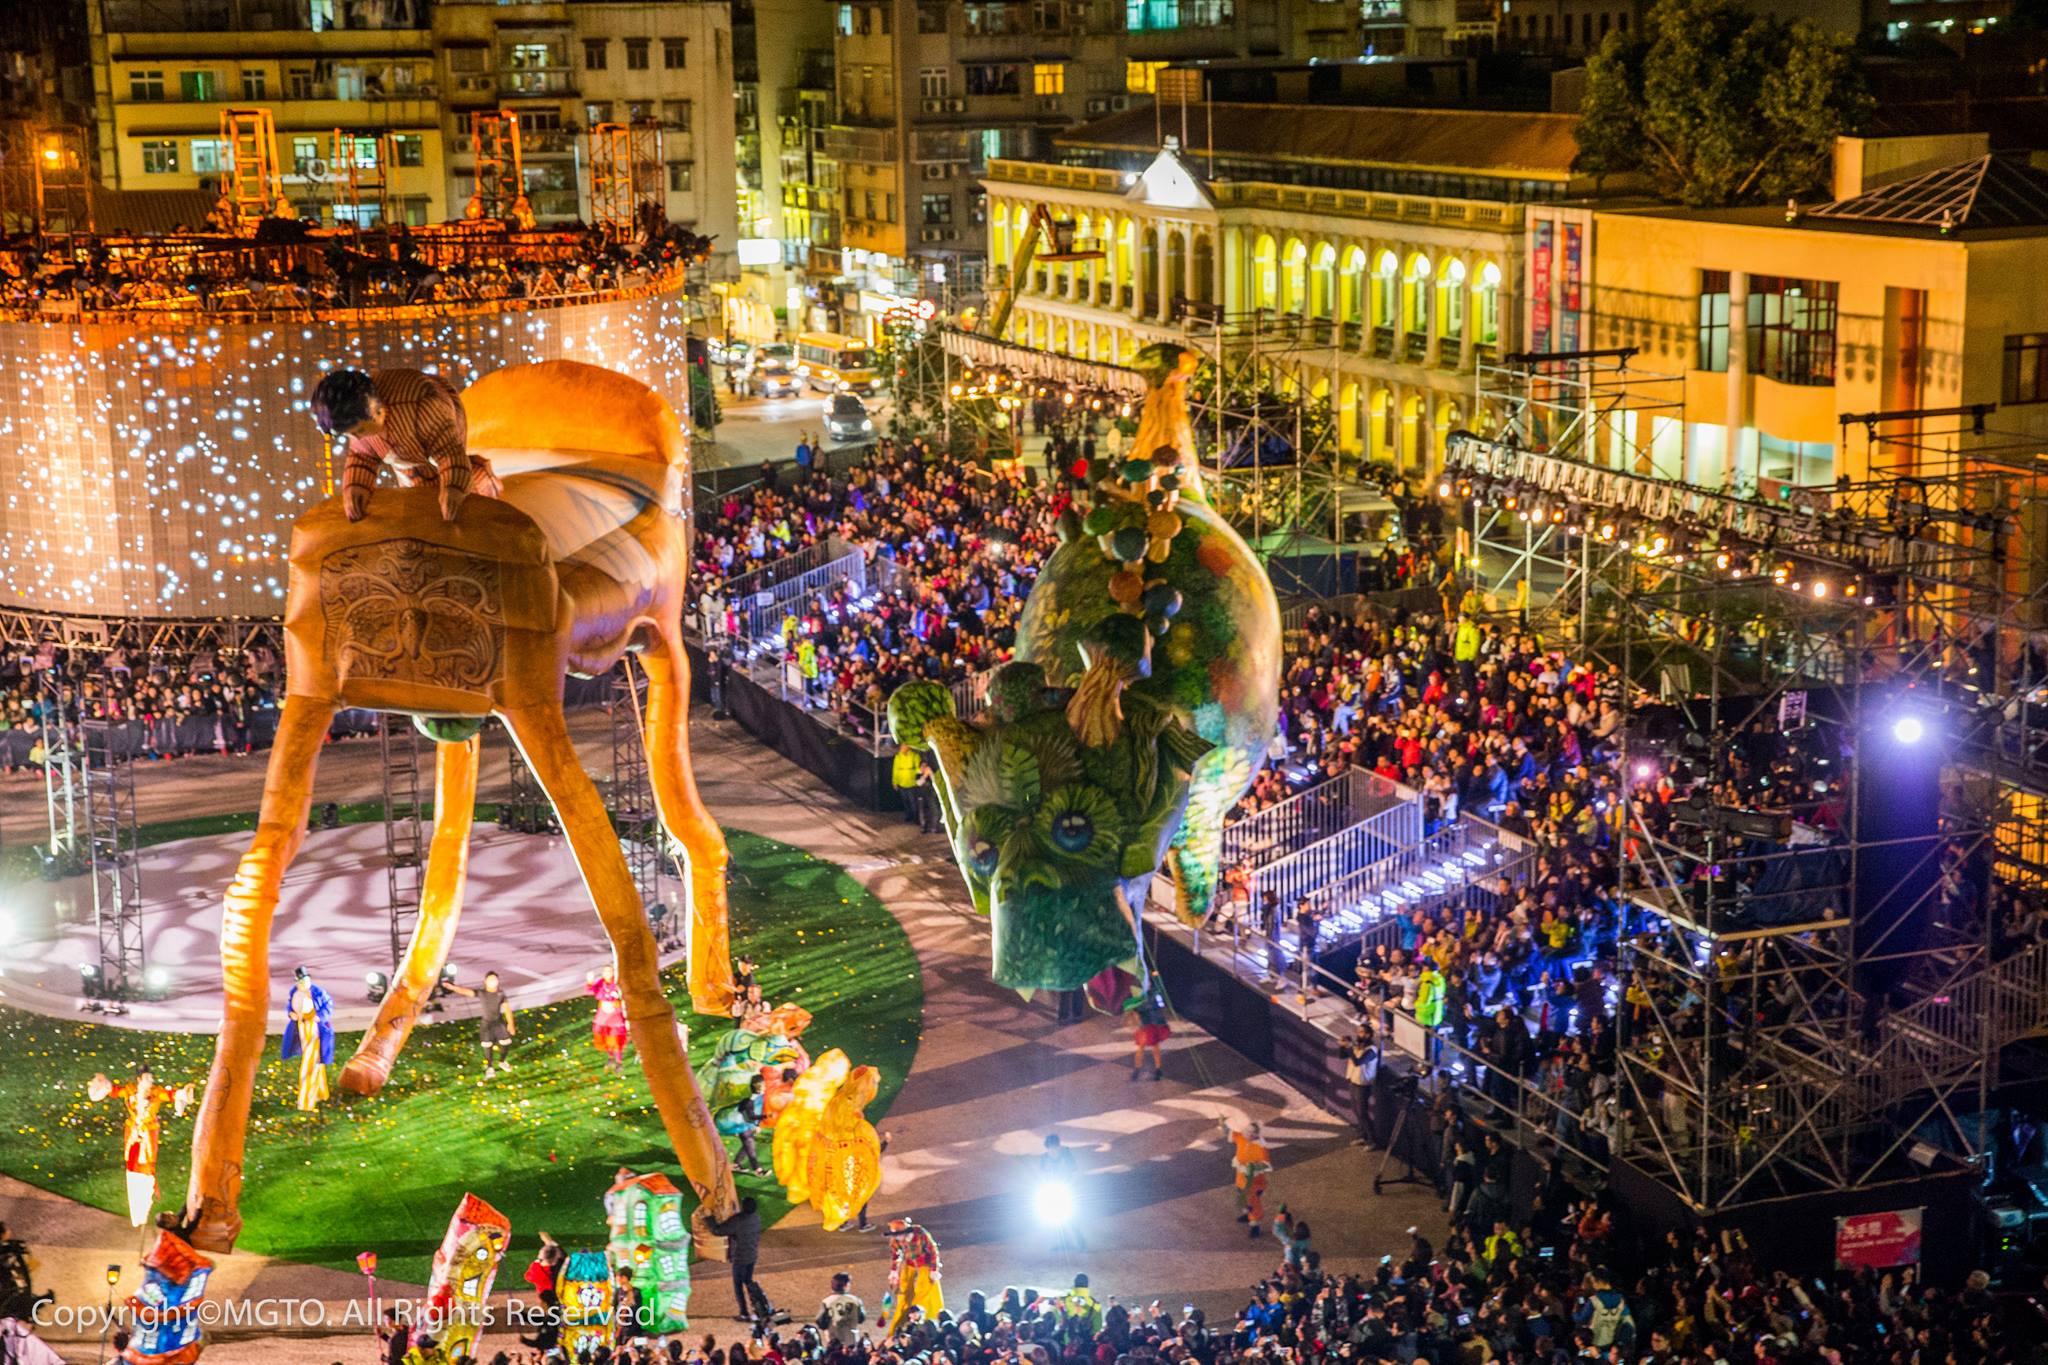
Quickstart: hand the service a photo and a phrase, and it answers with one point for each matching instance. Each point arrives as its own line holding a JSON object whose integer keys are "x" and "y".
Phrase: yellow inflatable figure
{"x": 798, "y": 1126}
{"x": 846, "y": 1157}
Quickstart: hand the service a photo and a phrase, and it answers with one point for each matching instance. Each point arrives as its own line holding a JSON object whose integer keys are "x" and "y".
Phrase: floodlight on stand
{"x": 156, "y": 983}
{"x": 376, "y": 985}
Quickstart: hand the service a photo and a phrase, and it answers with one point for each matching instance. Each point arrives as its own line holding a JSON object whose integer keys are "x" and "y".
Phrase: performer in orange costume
{"x": 1251, "y": 1160}
{"x": 142, "y": 1103}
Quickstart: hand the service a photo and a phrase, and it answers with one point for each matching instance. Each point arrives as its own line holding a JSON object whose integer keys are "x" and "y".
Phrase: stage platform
{"x": 526, "y": 916}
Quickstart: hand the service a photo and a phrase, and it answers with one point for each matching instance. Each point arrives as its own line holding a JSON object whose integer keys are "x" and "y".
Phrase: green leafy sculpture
{"x": 1141, "y": 704}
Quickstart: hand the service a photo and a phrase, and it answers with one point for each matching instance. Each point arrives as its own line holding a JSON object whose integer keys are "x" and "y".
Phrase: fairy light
{"x": 154, "y": 466}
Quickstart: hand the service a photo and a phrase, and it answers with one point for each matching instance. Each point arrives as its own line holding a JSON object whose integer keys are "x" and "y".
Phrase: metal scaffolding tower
{"x": 1817, "y": 1013}
{"x": 398, "y": 748}
{"x": 45, "y": 178}
{"x": 112, "y": 844}
{"x": 628, "y": 176}
{"x": 63, "y": 777}
{"x": 526, "y": 808}
{"x": 629, "y": 794}
{"x": 500, "y": 176}
{"x": 253, "y": 186}
{"x": 360, "y": 163}
{"x": 1266, "y": 436}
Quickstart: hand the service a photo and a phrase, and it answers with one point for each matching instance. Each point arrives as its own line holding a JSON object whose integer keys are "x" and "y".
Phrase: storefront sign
{"x": 1539, "y": 287}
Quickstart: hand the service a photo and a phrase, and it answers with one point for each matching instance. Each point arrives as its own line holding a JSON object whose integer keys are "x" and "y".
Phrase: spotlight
{"x": 1820, "y": 589}
{"x": 448, "y": 974}
{"x": 1908, "y": 729}
{"x": 156, "y": 983}
{"x": 1053, "y": 1202}
{"x": 90, "y": 981}
{"x": 1645, "y": 769}
{"x": 376, "y": 985}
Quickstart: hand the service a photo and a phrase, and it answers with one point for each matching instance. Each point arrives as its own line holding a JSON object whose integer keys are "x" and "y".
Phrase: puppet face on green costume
{"x": 1053, "y": 836}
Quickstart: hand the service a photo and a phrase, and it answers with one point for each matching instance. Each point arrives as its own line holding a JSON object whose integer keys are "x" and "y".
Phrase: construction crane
{"x": 1058, "y": 233}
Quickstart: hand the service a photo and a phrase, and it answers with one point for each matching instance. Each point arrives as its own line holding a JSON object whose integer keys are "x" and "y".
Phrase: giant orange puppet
{"x": 582, "y": 559}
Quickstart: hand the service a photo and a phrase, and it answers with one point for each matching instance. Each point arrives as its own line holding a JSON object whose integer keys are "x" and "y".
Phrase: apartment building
{"x": 930, "y": 92}
{"x": 164, "y": 70}
{"x": 1929, "y": 291}
{"x": 565, "y": 66}
{"x": 1391, "y": 240}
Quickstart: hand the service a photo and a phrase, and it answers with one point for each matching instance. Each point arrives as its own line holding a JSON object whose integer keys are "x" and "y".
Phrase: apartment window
{"x": 639, "y": 111}
{"x": 298, "y": 82}
{"x": 2026, "y": 368}
{"x": 210, "y": 156}
{"x": 1049, "y": 78}
{"x": 868, "y": 201}
{"x": 412, "y": 149}
{"x": 364, "y": 149}
{"x": 932, "y": 82}
{"x": 596, "y": 112}
{"x": 679, "y": 176}
{"x": 888, "y": 208}
{"x": 931, "y": 16}
{"x": 1148, "y": 16}
{"x": 255, "y": 86}
{"x": 1792, "y": 329}
{"x": 596, "y": 52}
{"x": 675, "y": 54}
{"x": 160, "y": 158}
{"x": 992, "y": 79}
{"x": 145, "y": 85}
{"x": 305, "y": 151}
{"x": 938, "y": 210}
{"x": 636, "y": 53}
{"x": 1713, "y": 319}
{"x": 676, "y": 114}
{"x": 842, "y": 23}
{"x": 1142, "y": 78}
{"x": 200, "y": 86}
{"x": 1804, "y": 464}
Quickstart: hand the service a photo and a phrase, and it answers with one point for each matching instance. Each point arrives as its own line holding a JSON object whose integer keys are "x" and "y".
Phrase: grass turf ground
{"x": 542, "y": 1145}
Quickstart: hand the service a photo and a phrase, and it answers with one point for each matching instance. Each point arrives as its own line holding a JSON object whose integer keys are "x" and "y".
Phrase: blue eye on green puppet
{"x": 1073, "y": 831}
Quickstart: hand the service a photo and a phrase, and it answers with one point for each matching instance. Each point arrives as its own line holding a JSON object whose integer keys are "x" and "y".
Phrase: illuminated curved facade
{"x": 152, "y": 466}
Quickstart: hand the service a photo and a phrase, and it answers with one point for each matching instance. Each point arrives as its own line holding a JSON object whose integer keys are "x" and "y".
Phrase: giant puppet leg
{"x": 212, "y": 1216}
{"x": 543, "y": 737}
{"x": 455, "y": 771}
{"x": 689, "y": 823}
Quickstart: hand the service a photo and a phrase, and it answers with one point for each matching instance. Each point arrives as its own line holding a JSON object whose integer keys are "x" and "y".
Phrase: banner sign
{"x": 1878, "y": 1241}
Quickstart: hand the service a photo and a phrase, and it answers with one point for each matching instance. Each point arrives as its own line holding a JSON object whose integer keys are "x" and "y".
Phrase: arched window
{"x": 1450, "y": 301}
{"x": 1265, "y": 273}
{"x": 1384, "y": 289}
{"x": 1294, "y": 276}
{"x": 1415, "y": 296}
{"x": 1486, "y": 307}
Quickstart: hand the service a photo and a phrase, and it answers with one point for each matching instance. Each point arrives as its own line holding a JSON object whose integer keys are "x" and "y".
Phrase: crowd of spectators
{"x": 175, "y": 703}
{"x": 285, "y": 267}
{"x": 952, "y": 549}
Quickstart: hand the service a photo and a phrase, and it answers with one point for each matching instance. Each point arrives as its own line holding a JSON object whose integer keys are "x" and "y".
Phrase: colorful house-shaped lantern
{"x": 166, "y": 1310}
{"x": 650, "y": 1244}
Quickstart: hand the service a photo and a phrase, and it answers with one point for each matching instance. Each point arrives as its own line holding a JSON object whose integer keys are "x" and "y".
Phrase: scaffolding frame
{"x": 1919, "y": 575}
{"x": 405, "y": 840}
{"x": 627, "y": 175}
{"x": 629, "y": 794}
{"x": 46, "y": 182}
{"x": 1257, "y": 392}
{"x": 253, "y": 186}
{"x": 357, "y": 185}
{"x": 500, "y": 173}
{"x": 63, "y": 777}
{"x": 113, "y": 843}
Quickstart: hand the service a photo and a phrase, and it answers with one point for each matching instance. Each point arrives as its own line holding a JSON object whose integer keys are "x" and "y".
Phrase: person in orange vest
{"x": 1252, "y": 1162}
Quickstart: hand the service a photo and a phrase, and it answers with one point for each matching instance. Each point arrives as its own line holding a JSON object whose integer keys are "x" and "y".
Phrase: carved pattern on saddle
{"x": 413, "y": 611}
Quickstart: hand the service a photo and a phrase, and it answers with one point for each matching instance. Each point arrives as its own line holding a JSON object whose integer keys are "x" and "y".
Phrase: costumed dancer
{"x": 142, "y": 1103}
{"x": 309, "y": 1036}
{"x": 608, "y": 1025}
{"x": 1149, "y": 1030}
{"x": 1252, "y": 1161}
{"x": 913, "y": 1277}
{"x": 846, "y": 1155}
{"x": 796, "y": 1131}
{"x": 494, "y": 1026}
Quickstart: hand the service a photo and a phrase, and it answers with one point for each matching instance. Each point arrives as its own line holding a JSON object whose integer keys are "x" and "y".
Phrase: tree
{"x": 1719, "y": 105}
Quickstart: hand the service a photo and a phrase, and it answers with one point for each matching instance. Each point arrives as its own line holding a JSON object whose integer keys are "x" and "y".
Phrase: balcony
{"x": 546, "y": 141}
{"x": 531, "y": 81}
{"x": 1383, "y": 344}
{"x": 1449, "y": 351}
{"x": 1417, "y": 349}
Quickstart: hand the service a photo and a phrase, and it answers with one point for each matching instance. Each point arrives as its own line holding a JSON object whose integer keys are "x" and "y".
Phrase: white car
{"x": 775, "y": 379}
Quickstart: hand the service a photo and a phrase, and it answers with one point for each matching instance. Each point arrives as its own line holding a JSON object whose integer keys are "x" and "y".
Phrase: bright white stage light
{"x": 1908, "y": 729}
{"x": 1053, "y": 1202}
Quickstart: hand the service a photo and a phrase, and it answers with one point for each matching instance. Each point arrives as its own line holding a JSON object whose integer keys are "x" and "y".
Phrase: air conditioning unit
{"x": 425, "y": 90}
{"x": 956, "y": 105}
{"x": 934, "y": 106}
{"x": 932, "y": 235}
{"x": 1098, "y": 106}
{"x": 1119, "y": 102}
